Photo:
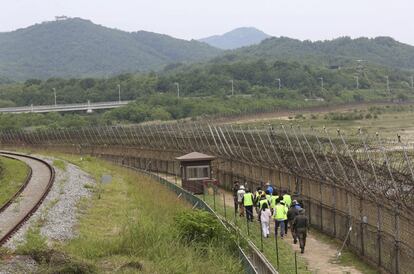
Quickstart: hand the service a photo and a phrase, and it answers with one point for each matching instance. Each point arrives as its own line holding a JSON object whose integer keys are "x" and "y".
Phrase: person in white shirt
{"x": 240, "y": 195}
{"x": 265, "y": 215}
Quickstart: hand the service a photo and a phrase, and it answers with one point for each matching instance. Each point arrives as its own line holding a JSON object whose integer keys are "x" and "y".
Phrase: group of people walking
{"x": 270, "y": 204}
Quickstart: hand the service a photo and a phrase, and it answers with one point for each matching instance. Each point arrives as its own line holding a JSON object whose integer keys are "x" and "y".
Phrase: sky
{"x": 194, "y": 19}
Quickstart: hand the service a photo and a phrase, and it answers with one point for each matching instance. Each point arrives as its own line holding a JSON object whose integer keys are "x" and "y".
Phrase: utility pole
{"x": 178, "y": 89}
{"x": 54, "y": 93}
{"x": 321, "y": 78}
{"x": 119, "y": 93}
{"x": 232, "y": 87}
{"x": 412, "y": 82}
{"x": 278, "y": 79}
{"x": 357, "y": 82}
{"x": 388, "y": 83}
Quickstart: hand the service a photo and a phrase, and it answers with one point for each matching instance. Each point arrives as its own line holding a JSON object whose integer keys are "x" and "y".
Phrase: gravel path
{"x": 57, "y": 216}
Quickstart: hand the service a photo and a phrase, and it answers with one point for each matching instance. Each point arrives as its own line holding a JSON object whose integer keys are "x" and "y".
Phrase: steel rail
{"x": 27, "y": 216}
{"x": 20, "y": 190}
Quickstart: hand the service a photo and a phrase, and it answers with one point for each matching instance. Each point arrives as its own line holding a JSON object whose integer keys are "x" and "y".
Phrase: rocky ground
{"x": 56, "y": 217}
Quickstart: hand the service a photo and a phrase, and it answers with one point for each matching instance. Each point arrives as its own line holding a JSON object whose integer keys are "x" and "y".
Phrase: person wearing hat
{"x": 291, "y": 214}
{"x": 301, "y": 228}
{"x": 240, "y": 195}
{"x": 280, "y": 215}
{"x": 296, "y": 204}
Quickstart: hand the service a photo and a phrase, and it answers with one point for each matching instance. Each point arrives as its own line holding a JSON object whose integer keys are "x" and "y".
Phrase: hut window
{"x": 198, "y": 172}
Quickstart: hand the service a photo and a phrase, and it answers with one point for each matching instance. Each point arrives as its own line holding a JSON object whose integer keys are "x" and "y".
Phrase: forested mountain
{"x": 383, "y": 51}
{"x": 79, "y": 48}
{"x": 236, "y": 38}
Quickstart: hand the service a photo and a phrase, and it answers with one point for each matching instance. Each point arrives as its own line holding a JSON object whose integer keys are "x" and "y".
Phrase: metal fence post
{"x": 296, "y": 264}
{"x": 397, "y": 240}
{"x": 247, "y": 225}
{"x": 224, "y": 204}
{"x": 214, "y": 198}
{"x": 277, "y": 248}
{"x": 261, "y": 236}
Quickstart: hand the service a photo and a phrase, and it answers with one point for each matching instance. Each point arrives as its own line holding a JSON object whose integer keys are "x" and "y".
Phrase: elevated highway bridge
{"x": 88, "y": 107}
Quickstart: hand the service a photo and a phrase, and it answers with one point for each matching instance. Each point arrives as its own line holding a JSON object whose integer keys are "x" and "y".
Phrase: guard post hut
{"x": 195, "y": 170}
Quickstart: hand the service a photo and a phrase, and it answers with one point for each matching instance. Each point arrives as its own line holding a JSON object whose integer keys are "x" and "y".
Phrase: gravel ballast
{"x": 57, "y": 216}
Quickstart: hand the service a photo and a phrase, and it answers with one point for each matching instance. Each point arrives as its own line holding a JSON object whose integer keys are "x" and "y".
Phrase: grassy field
{"x": 128, "y": 227}
{"x": 12, "y": 177}
{"x": 388, "y": 120}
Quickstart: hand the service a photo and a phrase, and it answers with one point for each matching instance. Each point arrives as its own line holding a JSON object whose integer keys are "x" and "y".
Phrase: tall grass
{"x": 130, "y": 228}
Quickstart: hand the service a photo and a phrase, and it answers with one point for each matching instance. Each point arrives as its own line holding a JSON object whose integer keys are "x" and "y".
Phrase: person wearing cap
{"x": 301, "y": 228}
{"x": 280, "y": 215}
{"x": 291, "y": 214}
{"x": 248, "y": 202}
{"x": 240, "y": 195}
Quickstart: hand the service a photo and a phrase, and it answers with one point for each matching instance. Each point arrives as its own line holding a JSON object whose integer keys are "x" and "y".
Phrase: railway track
{"x": 28, "y": 198}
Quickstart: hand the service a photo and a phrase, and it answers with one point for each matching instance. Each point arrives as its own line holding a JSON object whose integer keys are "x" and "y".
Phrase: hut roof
{"x": 195, "y": 156}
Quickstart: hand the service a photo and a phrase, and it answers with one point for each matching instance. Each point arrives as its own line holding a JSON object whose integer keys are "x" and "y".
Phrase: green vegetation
{"x": 79, "y": 48}
{"x": 137, "y": 235}
{"x": 342, "y": 51}
{"x": 59, "y": 164}
{"x": 204, "y": 89}
{"x": 201, "y": 227}
{"x": 12, "y": 175}
{"x": 35, "y": 244}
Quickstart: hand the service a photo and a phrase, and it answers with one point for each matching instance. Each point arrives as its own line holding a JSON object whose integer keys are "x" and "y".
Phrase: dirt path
{"x": 320, "y": 256}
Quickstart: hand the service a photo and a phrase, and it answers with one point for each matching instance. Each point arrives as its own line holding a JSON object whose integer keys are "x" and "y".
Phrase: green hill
{"x": 236, "y": 38}
{"x": 384, "y": 51}
{"x": 79, "y": 48}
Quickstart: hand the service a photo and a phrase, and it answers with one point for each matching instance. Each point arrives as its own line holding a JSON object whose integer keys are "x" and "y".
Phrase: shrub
{"x": 199, "y": 226}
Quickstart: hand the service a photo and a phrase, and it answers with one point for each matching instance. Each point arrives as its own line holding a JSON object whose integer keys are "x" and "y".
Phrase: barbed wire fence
{"x": 360, "y": 181}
